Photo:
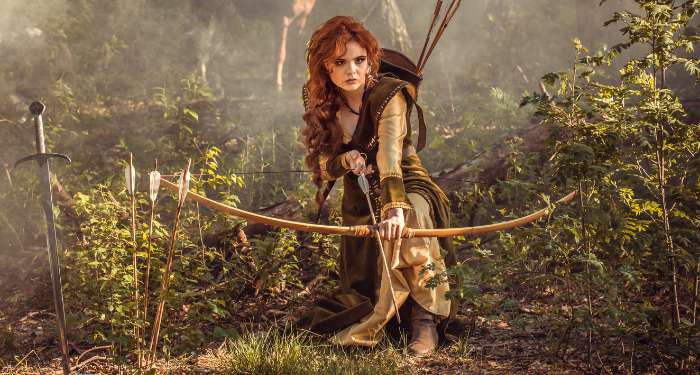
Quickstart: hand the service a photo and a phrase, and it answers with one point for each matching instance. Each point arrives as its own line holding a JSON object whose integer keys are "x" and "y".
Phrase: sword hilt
{"x": 37, "y": 108}
{"x": 41, "y": 156}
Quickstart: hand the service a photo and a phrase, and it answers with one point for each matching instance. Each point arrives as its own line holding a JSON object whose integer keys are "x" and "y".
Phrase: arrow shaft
{"x": 148, "y": 275}
{"x": 381, "y": 249}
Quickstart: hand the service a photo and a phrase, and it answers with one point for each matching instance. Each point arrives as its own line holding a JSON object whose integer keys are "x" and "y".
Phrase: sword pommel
{"x": 37, "y": 108}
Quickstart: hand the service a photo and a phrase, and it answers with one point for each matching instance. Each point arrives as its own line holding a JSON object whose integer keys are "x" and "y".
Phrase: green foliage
{"x": 610, "y": 263}
{"x": 99, "y": 287}
{"x": 619, "y": 262}
{"x": 210, "y": 265}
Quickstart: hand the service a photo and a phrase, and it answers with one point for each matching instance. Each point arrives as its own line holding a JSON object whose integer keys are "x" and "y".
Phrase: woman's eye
{"x": 339, "y": 62}
{"x": 360, "y": 60}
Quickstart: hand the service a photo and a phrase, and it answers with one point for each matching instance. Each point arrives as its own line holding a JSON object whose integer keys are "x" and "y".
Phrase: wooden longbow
{"x": 364, "y": 230}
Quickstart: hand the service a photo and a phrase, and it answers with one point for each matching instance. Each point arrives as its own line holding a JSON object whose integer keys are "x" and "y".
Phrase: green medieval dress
{"x": 358, "y": 309}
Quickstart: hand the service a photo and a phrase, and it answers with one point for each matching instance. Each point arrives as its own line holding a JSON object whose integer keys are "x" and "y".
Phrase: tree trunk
{"x": 386, "y": 21}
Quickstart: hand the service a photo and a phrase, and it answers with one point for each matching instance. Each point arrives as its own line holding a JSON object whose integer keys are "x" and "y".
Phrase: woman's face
{"x": 349, "y": 70}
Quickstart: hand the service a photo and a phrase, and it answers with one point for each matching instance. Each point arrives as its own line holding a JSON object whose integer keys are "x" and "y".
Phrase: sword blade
{"x": 47, "y": 205}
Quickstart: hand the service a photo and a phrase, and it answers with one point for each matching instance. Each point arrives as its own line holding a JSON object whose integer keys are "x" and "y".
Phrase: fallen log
{"x": 65, "y": 203}
{"x": 490, "y": 165}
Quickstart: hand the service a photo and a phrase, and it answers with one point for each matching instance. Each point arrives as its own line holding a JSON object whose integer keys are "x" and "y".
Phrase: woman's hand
{"x": 357, "y": 163}
{"x": 390, "y": 229}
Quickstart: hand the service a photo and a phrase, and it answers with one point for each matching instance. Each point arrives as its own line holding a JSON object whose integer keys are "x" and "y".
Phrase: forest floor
{"x": 29, "y": 346}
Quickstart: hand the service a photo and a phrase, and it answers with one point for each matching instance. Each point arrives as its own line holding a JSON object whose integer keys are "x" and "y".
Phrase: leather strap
{"x": 422, "y": 128}
{"x": 326, "y": 191}
{"x": 408, "y": 151}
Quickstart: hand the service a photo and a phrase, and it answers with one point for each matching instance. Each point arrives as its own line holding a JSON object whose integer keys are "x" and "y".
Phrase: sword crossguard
{"x": 41, "y": 158}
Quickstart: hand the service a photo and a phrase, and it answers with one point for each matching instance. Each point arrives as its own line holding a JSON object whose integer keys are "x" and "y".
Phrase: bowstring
{"x": 314, "y": 171}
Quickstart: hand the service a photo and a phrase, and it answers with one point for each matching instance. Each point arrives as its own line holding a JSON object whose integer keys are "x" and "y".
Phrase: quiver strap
{"x": 321, "y": 199}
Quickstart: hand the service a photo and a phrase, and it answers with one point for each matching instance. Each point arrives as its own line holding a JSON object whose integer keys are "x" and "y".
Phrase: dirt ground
{"x": 28, "y": 344}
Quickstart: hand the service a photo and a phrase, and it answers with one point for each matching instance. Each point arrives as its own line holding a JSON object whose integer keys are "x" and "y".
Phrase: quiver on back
{"x": 402, "y": 67}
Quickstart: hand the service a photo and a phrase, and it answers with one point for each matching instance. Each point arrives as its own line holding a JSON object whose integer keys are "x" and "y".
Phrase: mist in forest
{"x": 99, "y": 64}
{"x": 124, "y": 49}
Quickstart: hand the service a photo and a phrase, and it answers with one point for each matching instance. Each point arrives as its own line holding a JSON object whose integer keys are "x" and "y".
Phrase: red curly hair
{"x": 322, "y": 135}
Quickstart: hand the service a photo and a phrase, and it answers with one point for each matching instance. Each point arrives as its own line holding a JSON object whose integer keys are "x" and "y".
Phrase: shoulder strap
{"x": 422, "y": 128}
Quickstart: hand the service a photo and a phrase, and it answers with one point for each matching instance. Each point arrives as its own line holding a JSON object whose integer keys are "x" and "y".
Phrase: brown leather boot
{"x": 424, "y": 339}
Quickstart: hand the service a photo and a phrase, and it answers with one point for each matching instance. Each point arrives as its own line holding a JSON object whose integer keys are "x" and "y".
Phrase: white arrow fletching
{"x": 130, "y": 176}
{"x": 184, "y": 186}
{"x": 154, "y": 179}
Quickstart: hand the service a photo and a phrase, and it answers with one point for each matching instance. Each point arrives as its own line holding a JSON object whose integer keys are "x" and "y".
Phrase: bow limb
{"x": 470, "y": 231}
{"x": 356, "y": 231}
{"x": 363, "y": 230}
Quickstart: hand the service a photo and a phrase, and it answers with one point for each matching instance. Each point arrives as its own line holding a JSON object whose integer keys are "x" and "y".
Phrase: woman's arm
{"x": 334, "y": 168}
{"x": 391, "y": 131}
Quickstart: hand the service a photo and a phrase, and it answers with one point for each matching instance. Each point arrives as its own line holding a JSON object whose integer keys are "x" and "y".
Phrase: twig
{"x": 371, "y": 10}
{"x": 7, "y": 171}
{"x": 558, "y": 358}
{"x": 602, "y": 364}
{"x": 122, "y": 211}
{"x": 201, "y": 238}
{"x": 206, "y": 290}
{"x": 88, "y": 351}
{"x": 86, "y": 362}
{"x": 17, "y": 237}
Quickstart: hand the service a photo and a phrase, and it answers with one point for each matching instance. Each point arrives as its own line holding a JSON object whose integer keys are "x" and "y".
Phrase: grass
{"x": 299, "y": 353}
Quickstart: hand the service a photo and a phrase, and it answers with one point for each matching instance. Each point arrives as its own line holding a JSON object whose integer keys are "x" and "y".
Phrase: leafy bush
{"x": 620, "y": 263}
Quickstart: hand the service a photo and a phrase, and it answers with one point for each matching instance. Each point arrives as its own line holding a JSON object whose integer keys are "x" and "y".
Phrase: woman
{"x": 357, "y": 123}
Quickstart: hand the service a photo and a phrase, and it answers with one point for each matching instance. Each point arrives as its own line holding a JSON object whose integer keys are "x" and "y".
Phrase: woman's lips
{"x": 351, "y": 81}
